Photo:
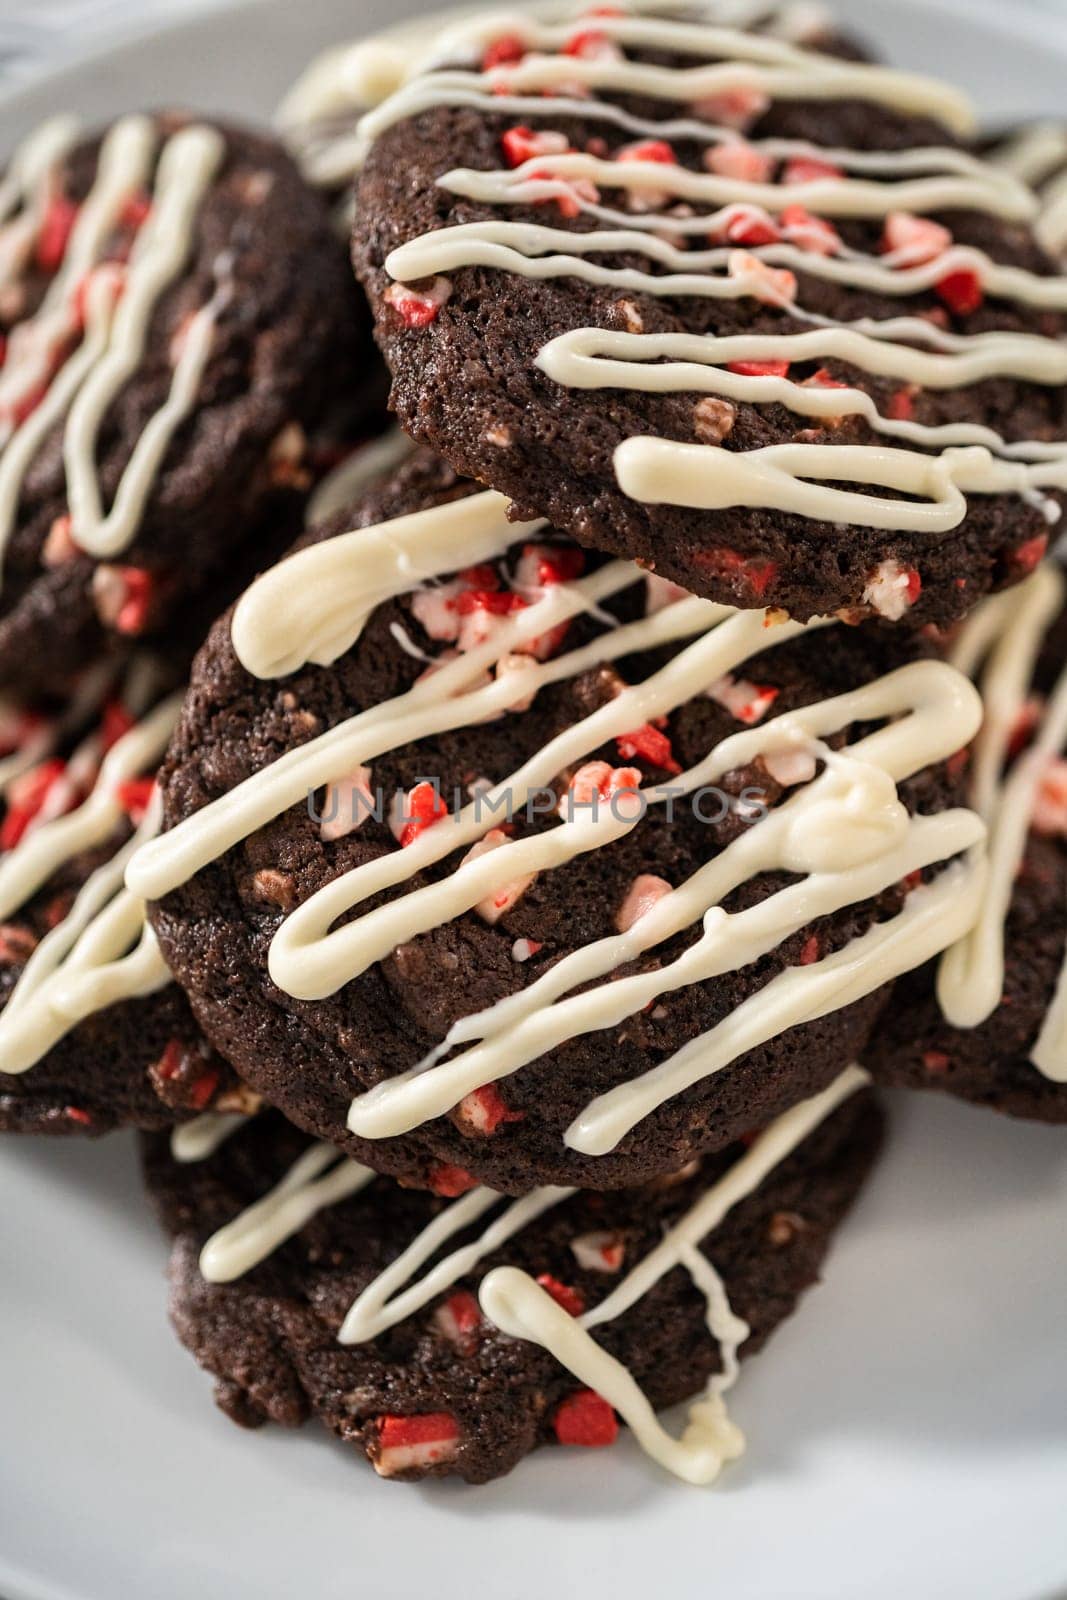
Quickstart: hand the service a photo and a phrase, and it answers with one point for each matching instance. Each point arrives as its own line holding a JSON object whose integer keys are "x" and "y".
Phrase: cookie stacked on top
{"x": 543, "y": 838}
{"x": 183, "y": 356}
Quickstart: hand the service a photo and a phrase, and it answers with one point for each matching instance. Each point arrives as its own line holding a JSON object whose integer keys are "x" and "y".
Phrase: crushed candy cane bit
{"x": 451, "y": 1182}
{"x": 348, "y": 804}
{"x": 599, "y": 1252}
{"x": 892, "y": 590}
{"x": 503, "y": 898}
{"x": 408, "y": 1444}
{"x": 422, "y": 807}
{"x": 747, "y": 702}
{"x": 740, "y": 160}
{"x": 773, "y": 285}
{"x": 459, "y": 1320}
{"x": 645, "y": 892}
{"x": 484, "y": 1110}
{"x": 571, "y": 1299}
{"x": 647, "y": 743}
{"x": 585, "y": 1418}
{"x": 1050, "y": 803}
{"x": 417, "y": 308}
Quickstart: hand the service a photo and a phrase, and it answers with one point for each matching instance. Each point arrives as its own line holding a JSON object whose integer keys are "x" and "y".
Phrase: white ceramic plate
{"x": 907, "y": 1430}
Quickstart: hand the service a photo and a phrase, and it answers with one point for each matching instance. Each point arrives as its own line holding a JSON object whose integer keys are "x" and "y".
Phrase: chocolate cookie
{"x": 182, "y": 343}
{"x": 91, "y": 1041}
{"x": 486, "y": 1357}
{"x": 991, "y": 1025}
{"x": 497, "y": 775}
{"x": 720, "y": 305}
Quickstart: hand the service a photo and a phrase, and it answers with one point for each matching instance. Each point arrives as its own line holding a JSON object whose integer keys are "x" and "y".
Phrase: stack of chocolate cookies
{"x": 649, "y": 747}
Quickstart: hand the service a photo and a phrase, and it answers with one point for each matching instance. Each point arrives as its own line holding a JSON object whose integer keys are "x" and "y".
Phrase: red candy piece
{"x": 136, "y": 211}
{"x": 432, "y": 1425}
{"x": 809, "y": 232}
{"x": 916, "y": 240}
{"x": 757, "y": 575}
{"x": 588, "y": 44}
{"x": 809, "y": 951}
{"x": 172, "y": 1060}
{"x": 807, "y": 169}
{"x": 823, "y": 380}
{"x": 16, "y": 944}
{"x": 572, "y": 1301}
{"x": 27, "y": 795}
{"x": 523, "y": 144}
{"x": 586, "y": 1418}
{"x": 648, "y": 150}
{"x": 202, "y": 1092}
{"x": 451, "y": 1182}
{"x": 114, "y": 722}
{"x": 751, "y": 227}
{"x": 648, "y": 744}
{"x": 569, "y": 203}
{"x": 962, "y": 292}
{"x": 56, "y": 228}
{"x": 407, "y": 1443}
{"x": 134, "y": 796}
{"x": 1026, "y": 556}
{"x": 496, "y": 603}
{"x": 459, "y": 1319}
{"x": 27, "y": 405}
{"x": 133, "y": 613}
{"x": 556, "y": 564}
{"x": 597, "y": 778}
{"x": 177, "y": 1057}
{"x": 423, "y": 807}
{"x": 739, "y": 160}
{"x": 124, "y": 597}
{"x": 76, "y": 1114}
{"x": 484, "y": 1109}
{"x": 417, "y": 308}
{"x": 1050, "y": 803}
{"x": 759, "y": 369}
{"x": 936, "y": 1061}
{"x": 484, "y": 576}
{"x": 901, "y": 405}
{"x": 503, "y": 52}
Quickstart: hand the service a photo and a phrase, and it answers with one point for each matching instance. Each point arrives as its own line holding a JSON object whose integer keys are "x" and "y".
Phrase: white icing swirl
{"x": 1006, "y": 634}
{"x": 102, "y": 951}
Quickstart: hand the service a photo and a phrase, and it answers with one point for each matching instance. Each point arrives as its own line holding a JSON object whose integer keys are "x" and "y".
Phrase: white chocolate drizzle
{"x": 845, "y": 834}
{"x": 932, "y": 471}
{"x": 1037, "y": 155}
{"x": 100, "y": 311}
{"x": 200, "y": 1137}
{"x": 1002, "y": 639}
{"x": 519, "y": 1306}
{"x": 317, "y": 115}
{"x": 321, "y": 1177}
{"x": 102, "y": 952}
